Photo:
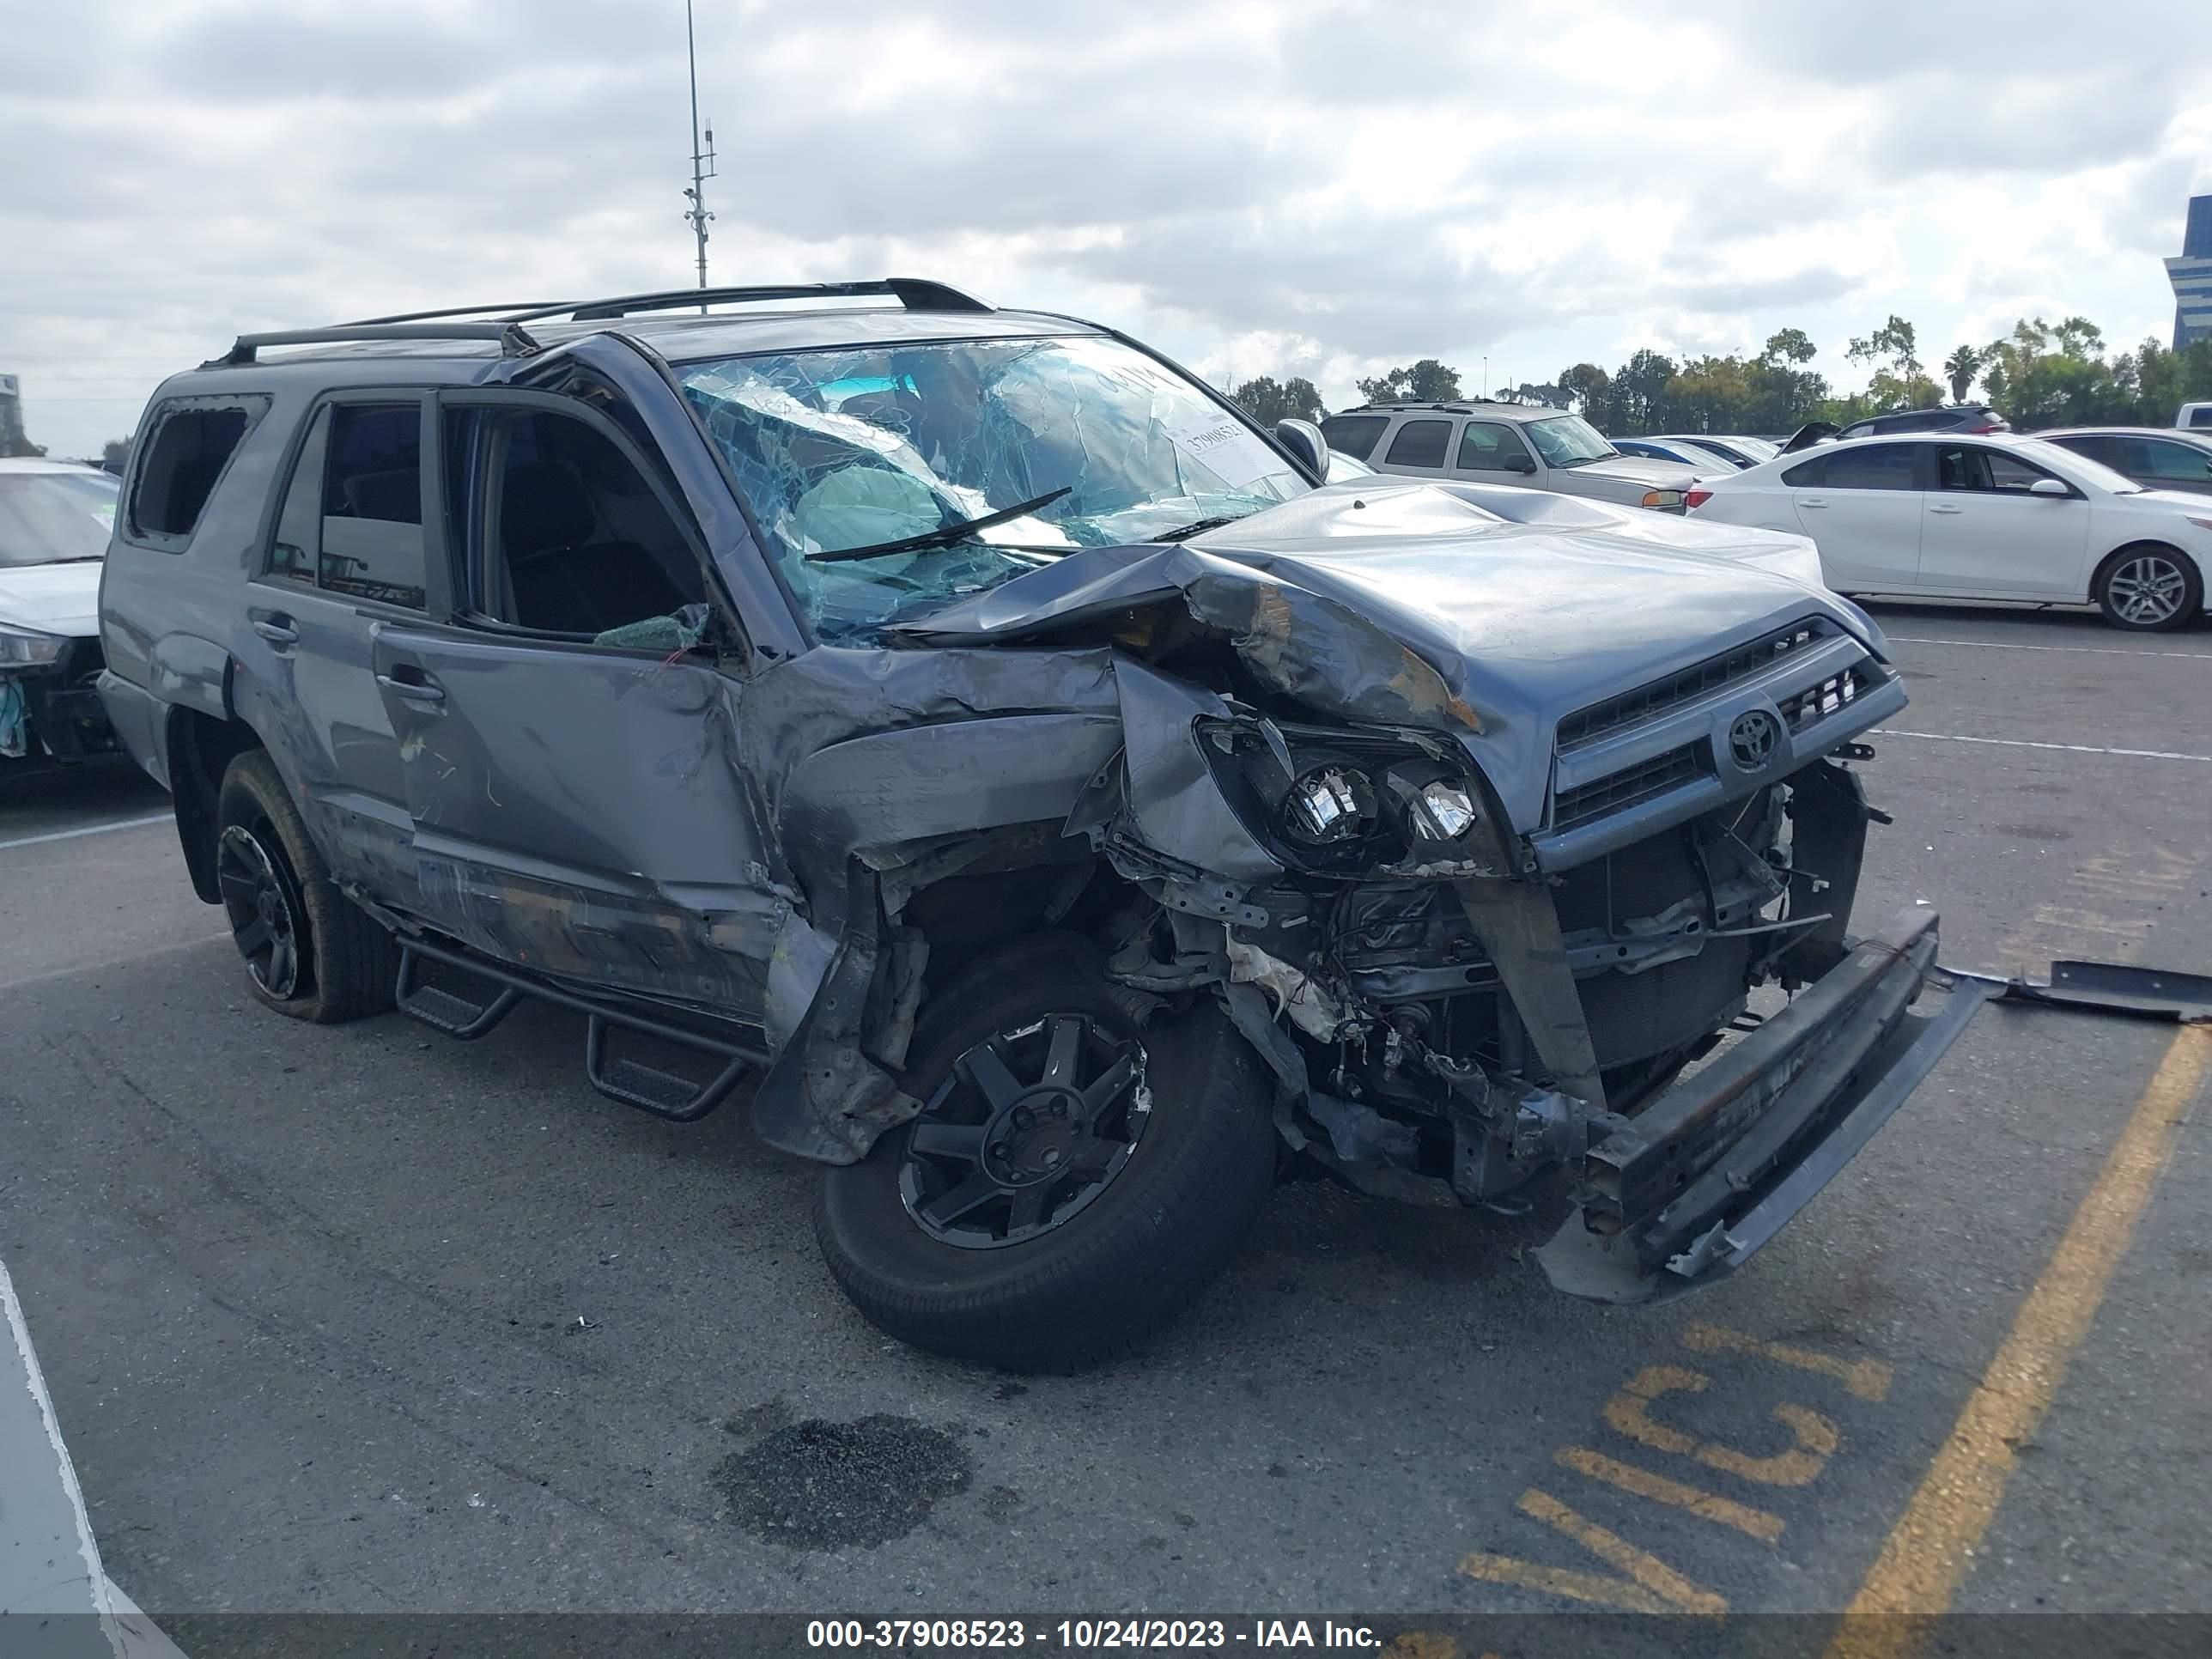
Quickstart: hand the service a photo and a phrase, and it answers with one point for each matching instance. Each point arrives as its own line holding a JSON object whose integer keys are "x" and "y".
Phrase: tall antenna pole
{"x": 702, "y": 156}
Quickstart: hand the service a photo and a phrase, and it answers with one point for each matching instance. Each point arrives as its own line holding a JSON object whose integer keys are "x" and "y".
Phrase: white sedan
{"x": 1947, "y": 516}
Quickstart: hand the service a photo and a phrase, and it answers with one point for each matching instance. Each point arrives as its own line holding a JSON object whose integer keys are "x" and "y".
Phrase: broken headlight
{"x": 1330, "y": 805}
{"x": 1333, "y": 800}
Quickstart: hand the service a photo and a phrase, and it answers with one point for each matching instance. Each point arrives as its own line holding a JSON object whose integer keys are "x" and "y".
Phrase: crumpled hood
{"x": 52, "y": 599}
{"x": 1516, "y": 625}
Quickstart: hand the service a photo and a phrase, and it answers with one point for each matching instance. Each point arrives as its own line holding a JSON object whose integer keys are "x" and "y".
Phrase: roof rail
{"x": 514, "y": 341}
{"x": 915, "y": 293}
{"x": 518, "y": 307}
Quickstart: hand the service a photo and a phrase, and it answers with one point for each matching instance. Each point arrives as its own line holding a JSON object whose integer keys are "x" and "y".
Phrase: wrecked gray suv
{"x": 1066, "y": 810}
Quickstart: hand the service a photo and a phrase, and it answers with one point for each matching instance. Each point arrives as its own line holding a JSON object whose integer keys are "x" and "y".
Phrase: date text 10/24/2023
{"x": 1084, "y": 1635}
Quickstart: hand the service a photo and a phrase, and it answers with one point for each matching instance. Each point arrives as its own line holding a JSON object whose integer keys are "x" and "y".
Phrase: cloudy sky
{"x": 1290, "y": 187}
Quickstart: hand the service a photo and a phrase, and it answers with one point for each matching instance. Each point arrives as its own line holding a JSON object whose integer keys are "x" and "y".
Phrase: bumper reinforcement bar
{"x": 1719, "y": 1163}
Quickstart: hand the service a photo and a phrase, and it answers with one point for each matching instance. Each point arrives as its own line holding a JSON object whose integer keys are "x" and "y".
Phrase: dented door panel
{"x": 576, "y": 811}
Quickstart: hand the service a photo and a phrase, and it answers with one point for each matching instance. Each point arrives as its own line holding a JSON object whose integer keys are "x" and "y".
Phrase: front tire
{"x": 1073, "y": 1181}
{"x": 310, "y": 953}
{"x": 2148, "y": 588}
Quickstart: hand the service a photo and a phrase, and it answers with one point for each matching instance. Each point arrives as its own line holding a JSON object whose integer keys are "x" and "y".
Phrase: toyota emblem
{"x": 1753, "y": 739}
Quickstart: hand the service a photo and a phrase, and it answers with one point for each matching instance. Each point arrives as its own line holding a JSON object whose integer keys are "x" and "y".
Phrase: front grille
{"x": 1801, "y": 708}
{"x": 1619, "y": 791}
{"x": 1602, "y": 720}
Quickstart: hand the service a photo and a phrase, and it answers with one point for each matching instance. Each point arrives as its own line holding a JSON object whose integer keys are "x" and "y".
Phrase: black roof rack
{"x": 504, "y": 322}
{"x": 513, "y": 342}
{"x": 915, "y": 293}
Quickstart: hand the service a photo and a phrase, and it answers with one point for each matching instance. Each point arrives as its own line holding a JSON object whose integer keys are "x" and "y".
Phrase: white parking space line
{"x": 88, "y": 830}
{"x": 2083, "y": 650}
{"x": 2023, "y": 743}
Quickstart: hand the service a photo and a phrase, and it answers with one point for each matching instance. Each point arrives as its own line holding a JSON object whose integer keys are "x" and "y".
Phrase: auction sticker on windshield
{"x": 1227, "y": 450}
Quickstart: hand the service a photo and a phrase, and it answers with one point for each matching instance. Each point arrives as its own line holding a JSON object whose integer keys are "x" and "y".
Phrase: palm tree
{"x": 1960, "y": 367}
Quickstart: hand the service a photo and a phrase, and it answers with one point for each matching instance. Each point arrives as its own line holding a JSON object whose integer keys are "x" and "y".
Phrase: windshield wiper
{"x": 1200, "y": 527}
{"x": 944, "y": 535}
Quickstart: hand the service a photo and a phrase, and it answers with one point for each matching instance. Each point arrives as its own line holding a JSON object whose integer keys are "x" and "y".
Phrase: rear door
{"x": 1861, "y": 502}
{"x": 1986, "y": 535}
{"x": 565, "y": 742}
{"x": 347, "y": 555}
{"x": 1419, "y": 447}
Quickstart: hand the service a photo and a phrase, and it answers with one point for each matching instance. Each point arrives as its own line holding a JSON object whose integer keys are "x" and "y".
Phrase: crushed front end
{"x": 1456, "y": 1010}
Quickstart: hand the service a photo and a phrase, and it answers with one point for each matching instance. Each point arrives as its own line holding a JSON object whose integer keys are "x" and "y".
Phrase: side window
{"x": 1419, "y": 443}
{"x": 371, "y": 518}
{"x": 1354, "y": 434}
{"x": 1870, "y": 466}
{"x": 563, "y": 534}
{"x": 1488, "y": 446}
{"x": 2156, "y": 458}
{"x": 1808, "y": 475}
{"x": 2094, "y": 447}
{"x": 2201, "y": 416}
{"x": 300, "y": 523}
{"x": 1970, "y": 466}
{"x": 352, "y": 518}
{"x": 190, "y": 441}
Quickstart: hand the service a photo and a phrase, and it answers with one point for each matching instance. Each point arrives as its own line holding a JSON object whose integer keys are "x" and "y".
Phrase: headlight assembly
{"x": 22, "y": 647}
{"x": 1337, "y": 802}
{"x": 1330, "y": 805}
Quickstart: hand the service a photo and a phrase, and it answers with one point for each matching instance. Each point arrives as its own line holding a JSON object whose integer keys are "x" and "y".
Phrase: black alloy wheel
{"x": 1031, "y": 1126}
{"x": 263, "y": 902}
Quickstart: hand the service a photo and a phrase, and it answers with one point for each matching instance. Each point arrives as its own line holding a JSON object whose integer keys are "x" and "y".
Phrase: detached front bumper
{"x": 1719, "y": 1165}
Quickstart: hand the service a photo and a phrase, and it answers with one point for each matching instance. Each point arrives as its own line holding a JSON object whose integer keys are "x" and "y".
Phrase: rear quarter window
{"x": 188, "y": 445}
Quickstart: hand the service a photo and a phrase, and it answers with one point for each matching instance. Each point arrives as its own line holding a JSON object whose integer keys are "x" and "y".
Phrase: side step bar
{"x": 632, "y": 1082}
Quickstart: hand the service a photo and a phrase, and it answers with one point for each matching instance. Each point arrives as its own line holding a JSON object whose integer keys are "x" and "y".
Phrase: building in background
{"x": 12, "y": 441}
{"x": 2191, "y": 273}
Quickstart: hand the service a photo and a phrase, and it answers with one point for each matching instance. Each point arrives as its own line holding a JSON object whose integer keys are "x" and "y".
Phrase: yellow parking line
{"x": 1928, "y": 1552}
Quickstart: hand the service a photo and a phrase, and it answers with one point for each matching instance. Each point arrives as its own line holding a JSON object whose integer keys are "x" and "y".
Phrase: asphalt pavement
{"x": 360, "y": 1319}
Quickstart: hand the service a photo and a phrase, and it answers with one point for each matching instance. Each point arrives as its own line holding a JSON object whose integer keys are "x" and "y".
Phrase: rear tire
{"x": 2148, "y": 588}
{"x": 310, "y": 951}
{"x": 1084, "y": 1272}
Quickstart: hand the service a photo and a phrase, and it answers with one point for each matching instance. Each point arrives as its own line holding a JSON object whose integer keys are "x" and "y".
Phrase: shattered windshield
{"x": 54, "y": 518}
{"x": 1568, "y": 441}
{"x": 851, "y": 448}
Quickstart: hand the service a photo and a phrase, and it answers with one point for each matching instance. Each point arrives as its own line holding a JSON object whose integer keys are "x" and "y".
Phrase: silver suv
{"x": 1505, "y": 443}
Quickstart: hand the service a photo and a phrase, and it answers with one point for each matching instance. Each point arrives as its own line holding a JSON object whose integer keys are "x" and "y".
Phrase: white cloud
{"x": 1291, "y": 188}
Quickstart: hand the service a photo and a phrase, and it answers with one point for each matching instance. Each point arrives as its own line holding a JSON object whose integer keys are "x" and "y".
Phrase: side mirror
{"x": 1303, "y": 440}
{"x": 2051, "y": 487}
{"x": 1521, "y": 463}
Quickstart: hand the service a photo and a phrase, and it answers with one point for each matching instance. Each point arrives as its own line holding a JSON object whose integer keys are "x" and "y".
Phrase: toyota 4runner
{"x": 1065, "y": 812}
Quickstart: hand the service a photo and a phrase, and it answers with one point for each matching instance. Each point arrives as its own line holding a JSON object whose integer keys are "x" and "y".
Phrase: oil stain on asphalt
{"x": 819, "y": 1485}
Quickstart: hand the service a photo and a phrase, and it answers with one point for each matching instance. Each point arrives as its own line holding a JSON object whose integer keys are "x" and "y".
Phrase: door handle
{"x": 276, "y": 627}
{"x": 1945, "y": 507}
{"x": 1812, "y": 500}
{"x": 420, "y": 689}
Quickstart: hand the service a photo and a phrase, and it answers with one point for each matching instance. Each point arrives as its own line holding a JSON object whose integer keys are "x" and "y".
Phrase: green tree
{"x": 1427, "y": 381}
{"x": 1788, "y": 345}
{"x": 2044, "y": 375}
{"x": 1901, "y": 382}
{"x": 1589, "y": 392}
{"x": 115, "y": 455}
{"x": 1960, "y": 368}
{"x": 1267, "y": 401}
{"x": 1639, "y": 393}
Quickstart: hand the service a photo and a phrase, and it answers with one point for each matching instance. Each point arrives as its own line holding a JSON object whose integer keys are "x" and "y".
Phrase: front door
{"x": 565, "y": 741}
{"x": 1984, "y": 533}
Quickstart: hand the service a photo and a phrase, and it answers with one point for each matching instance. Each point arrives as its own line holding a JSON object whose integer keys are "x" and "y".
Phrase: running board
{"x": 662, "y": 1094}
